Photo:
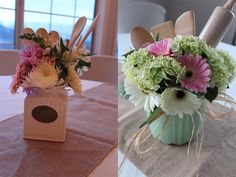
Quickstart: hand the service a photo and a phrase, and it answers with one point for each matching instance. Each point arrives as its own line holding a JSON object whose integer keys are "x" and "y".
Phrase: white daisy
{"x": 148, "y": 100}
{"x": 175, "y": 101}
{"x": 80, "y": 71}
{"x": 44, "y": 76}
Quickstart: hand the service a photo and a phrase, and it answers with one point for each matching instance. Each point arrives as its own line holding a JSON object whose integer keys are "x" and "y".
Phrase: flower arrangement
{"x": 48, "y": 63}
{"x": 175, "y": 76}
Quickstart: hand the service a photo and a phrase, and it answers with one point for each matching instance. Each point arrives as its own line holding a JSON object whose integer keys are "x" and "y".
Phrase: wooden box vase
{"x": 45, "y": 114}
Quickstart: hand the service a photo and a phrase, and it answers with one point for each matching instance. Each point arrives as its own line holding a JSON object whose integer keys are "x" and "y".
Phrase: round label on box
{"x": 44, "y": 114}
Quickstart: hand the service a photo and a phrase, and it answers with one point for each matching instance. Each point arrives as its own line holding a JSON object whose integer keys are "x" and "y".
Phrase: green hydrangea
{"x": 148, "y": 71}
{"x": 187, "y": 45}
{"x": 219, "y": 75}
{"x": 222, "y": 67}
{"x": 229, "y": 63}
{"x": 135, "y": 62}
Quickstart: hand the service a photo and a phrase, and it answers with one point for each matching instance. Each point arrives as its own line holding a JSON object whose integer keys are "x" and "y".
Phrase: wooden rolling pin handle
{"x": 230, "y": 4}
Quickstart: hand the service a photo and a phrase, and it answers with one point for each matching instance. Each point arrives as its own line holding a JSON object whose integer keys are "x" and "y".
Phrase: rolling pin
{"x": 218, "y": 23}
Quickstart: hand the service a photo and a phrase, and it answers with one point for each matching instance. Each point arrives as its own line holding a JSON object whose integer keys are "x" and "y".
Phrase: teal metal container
{"x": 177, "y": 130}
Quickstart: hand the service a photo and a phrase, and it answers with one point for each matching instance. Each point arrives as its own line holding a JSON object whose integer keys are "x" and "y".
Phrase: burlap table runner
{"x": 218, "y": 155}
{"x": 91, "y": 135}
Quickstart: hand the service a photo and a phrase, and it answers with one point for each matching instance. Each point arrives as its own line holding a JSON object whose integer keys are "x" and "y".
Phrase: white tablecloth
{"x": 129, "y": 169}
{"x": 11, "y": 105}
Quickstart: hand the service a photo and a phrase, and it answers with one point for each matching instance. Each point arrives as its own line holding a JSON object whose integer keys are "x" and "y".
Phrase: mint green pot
{"x": 177, "y": 130}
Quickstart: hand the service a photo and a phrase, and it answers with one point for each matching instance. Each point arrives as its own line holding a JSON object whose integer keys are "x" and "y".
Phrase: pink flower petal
{"x": 198, "y": 82}
{"x": 160, "y": 48}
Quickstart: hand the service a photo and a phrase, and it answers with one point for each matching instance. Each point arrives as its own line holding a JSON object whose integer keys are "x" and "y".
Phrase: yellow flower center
{"x": 46, "y": 72}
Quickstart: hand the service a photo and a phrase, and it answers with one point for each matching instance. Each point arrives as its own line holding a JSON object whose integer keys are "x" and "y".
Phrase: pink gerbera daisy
{"x": 160, "y": 48}
{"x": 197, "y": 73}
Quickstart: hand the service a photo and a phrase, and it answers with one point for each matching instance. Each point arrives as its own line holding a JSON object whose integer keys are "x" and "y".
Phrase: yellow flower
{"x": 47, "y": 51}
{"x": 74, "y": 80}
{"x": 67, "y": 55}
{"x": 77, "y": 52}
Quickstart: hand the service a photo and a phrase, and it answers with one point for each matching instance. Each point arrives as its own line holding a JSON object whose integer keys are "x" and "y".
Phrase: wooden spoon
{"x": 28, "y": 30}
{"x": 140, "y": 36}
{"x": 53, "y": 37}
{"x": 78, "y": 28}
{"x": 43, "y": 33}
{"x": 185, "y": 24}
{"x": 165, "y": 30}
{"x": 90, "y": 29}
{"x": 78, "y": 41}
{"x": 24, "y": 41}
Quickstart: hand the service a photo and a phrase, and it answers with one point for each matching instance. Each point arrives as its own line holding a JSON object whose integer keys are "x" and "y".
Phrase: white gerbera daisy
{"x": 44, "y": 76}
{"x": 175, "y": 101}
{"x": 148, "y": 100}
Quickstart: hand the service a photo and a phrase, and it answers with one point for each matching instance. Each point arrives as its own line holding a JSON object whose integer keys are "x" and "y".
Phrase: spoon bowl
{"x": 43, "y": 33}
{"x": 26, "y": 42}
{"x": 78, "y": 28}
{"x": 53, "y": 37}
{"x": 185, "y": 24}
{"x": 140, "y": 36}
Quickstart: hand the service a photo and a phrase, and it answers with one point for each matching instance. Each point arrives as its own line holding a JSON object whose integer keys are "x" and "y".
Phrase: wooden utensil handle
{"x": 230, "y": 4}
{"x": 91, "y": 27}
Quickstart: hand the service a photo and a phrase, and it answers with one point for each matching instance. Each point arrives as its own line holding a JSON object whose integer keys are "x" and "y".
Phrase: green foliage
{"x": 165, "y": 83}
{"x": 63, "y": 47}
{"x": 211, "y": 93}
{"x": 158, "y": 37}
{"x": 35, "y": 38}
{"x": 152, "y": 116}
{"x": 88, "y": 54}
{"x": 81, "y": 63}
{"x": 128, "y": 53}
